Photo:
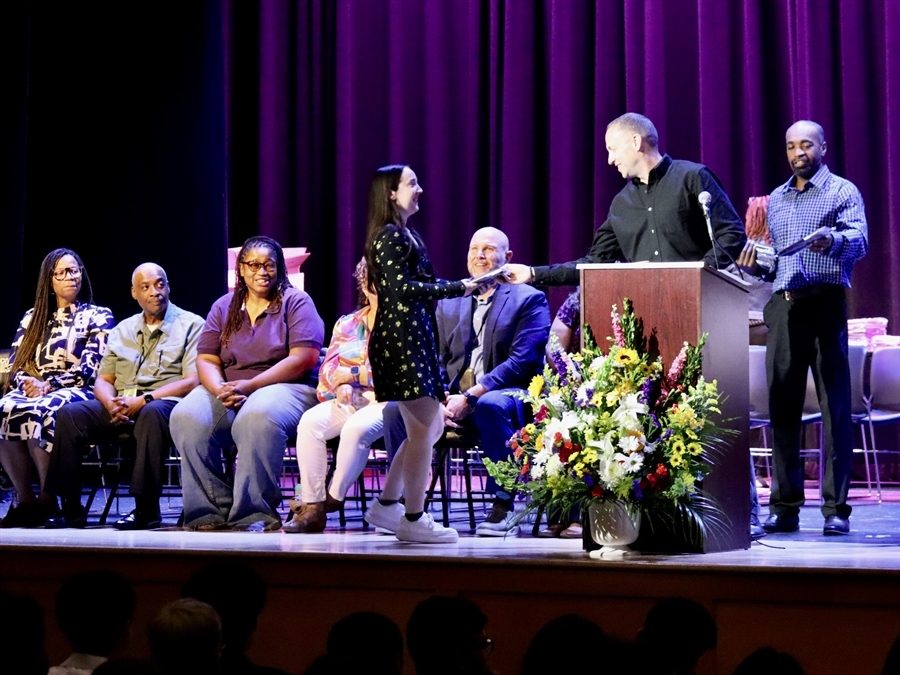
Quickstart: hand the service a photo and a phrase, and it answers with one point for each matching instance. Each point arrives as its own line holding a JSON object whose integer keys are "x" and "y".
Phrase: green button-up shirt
{"x": 149, "y": 359}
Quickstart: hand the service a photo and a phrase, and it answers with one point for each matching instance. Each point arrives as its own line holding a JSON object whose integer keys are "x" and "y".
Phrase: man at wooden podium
{"x": 657, "y": 216}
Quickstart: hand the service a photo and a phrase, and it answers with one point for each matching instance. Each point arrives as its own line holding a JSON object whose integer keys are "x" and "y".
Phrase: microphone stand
{"x": 716, "y": 244}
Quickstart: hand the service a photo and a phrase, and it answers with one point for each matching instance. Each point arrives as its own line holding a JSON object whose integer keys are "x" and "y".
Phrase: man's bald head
{"x": 488, "y": 250}
{"x": 147, "y": 268}
{"x": 807, "y": 128}
{"x": 150, "y": 287}
{"x": 805, "y": 145}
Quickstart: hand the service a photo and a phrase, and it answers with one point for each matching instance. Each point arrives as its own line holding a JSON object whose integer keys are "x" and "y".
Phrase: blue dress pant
{"x": 496, "y": 417}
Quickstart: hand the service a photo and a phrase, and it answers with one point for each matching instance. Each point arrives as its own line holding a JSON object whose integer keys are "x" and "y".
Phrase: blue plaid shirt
{"x": 826, "y": 200}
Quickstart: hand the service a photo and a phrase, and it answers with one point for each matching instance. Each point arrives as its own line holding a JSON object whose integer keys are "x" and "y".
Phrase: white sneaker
{"x": 385, "y": 517}
{"x": 426, "y": 531}
{"x": 499, "y": 523}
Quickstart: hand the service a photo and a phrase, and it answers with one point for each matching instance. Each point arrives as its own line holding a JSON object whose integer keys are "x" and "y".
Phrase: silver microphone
{"x": 704, "y": 198}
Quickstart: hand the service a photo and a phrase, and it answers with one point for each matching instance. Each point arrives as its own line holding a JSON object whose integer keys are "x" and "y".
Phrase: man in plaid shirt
{"x": 807, "y": 322}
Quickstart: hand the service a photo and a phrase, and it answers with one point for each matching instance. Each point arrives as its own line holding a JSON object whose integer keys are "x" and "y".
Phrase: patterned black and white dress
{"x": 403, "y": 348}
{"x": 68, "y": 358}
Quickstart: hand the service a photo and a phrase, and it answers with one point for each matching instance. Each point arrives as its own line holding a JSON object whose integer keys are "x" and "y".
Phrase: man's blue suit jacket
{"x": 515, "y": 336}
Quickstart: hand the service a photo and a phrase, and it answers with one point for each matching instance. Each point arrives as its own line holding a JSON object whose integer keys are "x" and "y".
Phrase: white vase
{"x": 614, "y": 525}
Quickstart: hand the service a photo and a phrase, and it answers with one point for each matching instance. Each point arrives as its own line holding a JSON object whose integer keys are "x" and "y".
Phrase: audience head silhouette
{"x": 447, "y": 635}
{"x": 768, "y": 661}
{"x": 22, "y": 636}
{"x": 676, "y": 634}
{"x": 367, "y": 642}
{"x": 237, "y": 593}
{"x": 94, "y": 611}
{"x": 548, "y": 650}
{"x": 186, "y": 638}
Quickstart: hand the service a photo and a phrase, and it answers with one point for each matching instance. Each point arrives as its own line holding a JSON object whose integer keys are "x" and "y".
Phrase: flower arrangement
{"x": 615, "y": 426}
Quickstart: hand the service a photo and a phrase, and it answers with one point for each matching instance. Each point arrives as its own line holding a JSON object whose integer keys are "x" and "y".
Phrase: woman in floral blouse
{"x": 348, "y": 409}
{"x": 55, "y": 356}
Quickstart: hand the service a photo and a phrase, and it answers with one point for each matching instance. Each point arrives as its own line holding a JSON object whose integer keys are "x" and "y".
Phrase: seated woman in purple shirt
{"x": 257, "y": 362}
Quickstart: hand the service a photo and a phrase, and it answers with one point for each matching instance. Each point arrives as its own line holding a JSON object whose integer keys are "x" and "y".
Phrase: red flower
{"x": 541, "y": 415}
{"x": 644, "y": 484}
{"x": 557, "y": 438}
{"x": 567, "y": 445}
{"x": 577, "y": 448}
{"x": 514, "y": 444}
{"x": 651, "y": 478}
{"x": 597, "y": 491}
{"x": 525, "y": 438}
{"x": 564, "y": 455}
{"x": 524, "y": 469}
{"x": 662, "y": 470}
{"x": 517, "y": 453}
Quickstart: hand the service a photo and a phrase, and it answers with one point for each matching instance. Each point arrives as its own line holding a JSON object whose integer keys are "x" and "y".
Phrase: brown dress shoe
{"x": 573, "y": 531}
{"x": 552, "y": 531}
{"x": 311, "y": 518}
{"x": 333, "y": 505}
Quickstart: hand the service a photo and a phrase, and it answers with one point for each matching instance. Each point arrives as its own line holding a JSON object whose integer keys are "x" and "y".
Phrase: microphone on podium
{"x": 705, "y": 198}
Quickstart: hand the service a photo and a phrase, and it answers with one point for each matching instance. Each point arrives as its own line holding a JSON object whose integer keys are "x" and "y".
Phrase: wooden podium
{"x": 679, "y": 302}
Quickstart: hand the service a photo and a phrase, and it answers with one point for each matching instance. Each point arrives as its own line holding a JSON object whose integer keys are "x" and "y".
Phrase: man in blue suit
{"x": 490, "y": 344}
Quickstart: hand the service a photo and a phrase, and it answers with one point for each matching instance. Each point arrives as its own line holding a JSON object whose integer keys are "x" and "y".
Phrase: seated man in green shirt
{"x": 149, "y": 365}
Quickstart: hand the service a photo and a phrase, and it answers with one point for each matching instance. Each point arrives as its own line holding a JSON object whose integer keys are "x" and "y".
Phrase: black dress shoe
{"x": 835, "y": 525}
{"x": 75, "y": 519}
{"x": 26, "y": 515}
{"x": 138, "y": 521}
{"x": 781, "y": 522}
{"x": 756, "y": 531}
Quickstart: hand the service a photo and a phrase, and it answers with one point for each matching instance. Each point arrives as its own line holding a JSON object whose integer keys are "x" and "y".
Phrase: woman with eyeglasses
{"x": 257, "y": 360}
{"x": 55, "y": 357}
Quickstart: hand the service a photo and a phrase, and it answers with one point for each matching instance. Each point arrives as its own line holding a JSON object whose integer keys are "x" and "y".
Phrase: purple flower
{"x": 586, "y": 400}
{"x": 637, "y": 489}
{"x": 655, "y": 420}
{"x": 560, "y": 366}
{"x": 588, "y": 479}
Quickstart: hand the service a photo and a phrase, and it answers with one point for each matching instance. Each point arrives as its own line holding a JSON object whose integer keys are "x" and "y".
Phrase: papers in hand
{"x": 765, "y": 255}
{"x": 488, "y": 277}
{"x": 801, "y": 244}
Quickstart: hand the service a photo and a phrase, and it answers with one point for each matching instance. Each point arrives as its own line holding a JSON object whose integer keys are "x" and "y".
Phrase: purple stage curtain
{"x": 501, "y": 107}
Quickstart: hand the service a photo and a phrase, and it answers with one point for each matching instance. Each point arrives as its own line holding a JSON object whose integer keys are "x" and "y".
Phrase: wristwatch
{"x": 149, "y": 398}
{"x": 354, "y": 371}
{"x": 471, "y": 399}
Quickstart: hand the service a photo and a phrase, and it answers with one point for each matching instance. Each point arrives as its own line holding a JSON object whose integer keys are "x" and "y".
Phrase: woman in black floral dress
{"x": 403, "y": 350}
{"x": 55, "y": 357}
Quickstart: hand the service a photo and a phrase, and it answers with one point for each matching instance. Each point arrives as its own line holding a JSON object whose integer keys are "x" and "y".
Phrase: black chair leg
{"x": 468, "y": 478}
{"x": 537, "y": 522}
{"x": 439, "y": 474}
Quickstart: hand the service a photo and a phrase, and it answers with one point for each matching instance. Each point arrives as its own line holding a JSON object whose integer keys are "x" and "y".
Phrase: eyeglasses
{"x": 255, "y": 266}
{"x": 487, "y": 645}
{"x": 60, "y": 274}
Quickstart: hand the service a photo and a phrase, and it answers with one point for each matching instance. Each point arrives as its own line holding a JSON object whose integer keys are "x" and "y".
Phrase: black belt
{"x": 809, "y": 291}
